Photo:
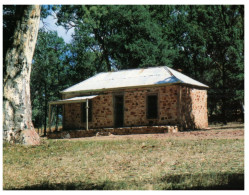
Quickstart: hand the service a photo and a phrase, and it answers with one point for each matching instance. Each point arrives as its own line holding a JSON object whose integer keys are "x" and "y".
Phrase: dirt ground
{"x": 230, "y": 131}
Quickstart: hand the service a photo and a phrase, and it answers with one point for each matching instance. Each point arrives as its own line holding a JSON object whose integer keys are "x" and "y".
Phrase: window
{"x": 83, "y": 111}
{"x": 152, "y": 106}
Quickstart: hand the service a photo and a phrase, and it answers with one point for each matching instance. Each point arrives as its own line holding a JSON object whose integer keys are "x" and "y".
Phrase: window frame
{"x": 147, "y": 106}
{"x": 114, "y": 108}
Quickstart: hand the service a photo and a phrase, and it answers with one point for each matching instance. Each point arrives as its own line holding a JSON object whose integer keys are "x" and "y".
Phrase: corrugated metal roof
{"x": 73, "y": 100}
{"x": 132, "y": 78}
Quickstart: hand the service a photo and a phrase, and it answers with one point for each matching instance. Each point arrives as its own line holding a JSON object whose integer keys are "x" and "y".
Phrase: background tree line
{"x": 206, "y": 42}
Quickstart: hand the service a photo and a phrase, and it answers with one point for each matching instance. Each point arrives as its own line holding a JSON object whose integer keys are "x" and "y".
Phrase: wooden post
{"x": 63, "y": 118}
{"x": 49, "y": 118}
{"x": 87, "y": 114}
{"x": 57, "y": 118}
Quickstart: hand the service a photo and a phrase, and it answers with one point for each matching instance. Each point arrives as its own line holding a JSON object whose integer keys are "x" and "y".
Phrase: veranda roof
{"x": 68, "y": 101}
{"x": 73, "y": 100}
{"x": 133, "y": 78}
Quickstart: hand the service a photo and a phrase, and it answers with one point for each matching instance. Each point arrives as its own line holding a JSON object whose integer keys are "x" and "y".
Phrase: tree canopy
{"x": 205, "y": 41}
{"x": 49, "y": 74}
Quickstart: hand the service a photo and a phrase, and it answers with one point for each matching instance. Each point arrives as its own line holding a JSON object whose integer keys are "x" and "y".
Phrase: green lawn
{"x": 129, "y": 164}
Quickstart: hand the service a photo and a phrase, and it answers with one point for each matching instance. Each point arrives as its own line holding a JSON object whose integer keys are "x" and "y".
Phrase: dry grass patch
{"x": 126, "y": 164}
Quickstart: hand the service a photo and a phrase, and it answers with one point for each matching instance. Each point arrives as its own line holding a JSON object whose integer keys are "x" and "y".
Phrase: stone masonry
{"x": 199, "y": 108}
{"x": 193, "y": 108}
{"x": 112, "y": 131}
{"x": 188, "y": 110}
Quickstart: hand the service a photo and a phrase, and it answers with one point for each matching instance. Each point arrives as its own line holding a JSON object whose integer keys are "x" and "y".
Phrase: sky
{"x": 49, "y": 23}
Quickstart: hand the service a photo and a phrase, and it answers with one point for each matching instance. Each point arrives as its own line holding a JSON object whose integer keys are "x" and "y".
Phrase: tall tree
{"x": 226, "y": 49}
{"x": 49, "y": 75}
{"x": 16, "y": 82}
{"x": 209, "y": 41}
{"x": 119, "y": 36}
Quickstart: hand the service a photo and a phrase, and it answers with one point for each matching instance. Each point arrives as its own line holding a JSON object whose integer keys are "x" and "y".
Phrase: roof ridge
{"x": 134, "y": 69}
{"x": 183, "y": 80}
{"x": 167, "y": 69}
{"x": 175, "y": 75}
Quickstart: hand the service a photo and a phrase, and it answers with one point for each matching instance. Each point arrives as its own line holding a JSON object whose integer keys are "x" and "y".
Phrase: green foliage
{"x": 49, "y": 73}
{"x": 210, "y": 45}
{"x": 118, "y": 36}
{"x": 9, "y": 23}
{"x": 205, "y": 42}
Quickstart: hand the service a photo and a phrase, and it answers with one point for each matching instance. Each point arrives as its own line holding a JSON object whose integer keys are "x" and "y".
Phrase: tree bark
{"x": 223, "y": 99}
{"x": 17, "y": 113}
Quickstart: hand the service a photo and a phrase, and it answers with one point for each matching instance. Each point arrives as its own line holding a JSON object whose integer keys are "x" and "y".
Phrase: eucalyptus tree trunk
{"x": 17, "y": 113}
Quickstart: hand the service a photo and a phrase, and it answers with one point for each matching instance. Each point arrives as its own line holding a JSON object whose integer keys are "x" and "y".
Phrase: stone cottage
{"x": 157, "y": 96}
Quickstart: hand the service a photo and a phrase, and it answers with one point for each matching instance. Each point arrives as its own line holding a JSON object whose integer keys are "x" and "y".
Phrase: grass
{"x": 130, "y": 164}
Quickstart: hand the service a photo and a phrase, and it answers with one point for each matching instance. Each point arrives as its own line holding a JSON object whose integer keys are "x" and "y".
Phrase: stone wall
{"x": 135, "y": 106}
{"x": 190, "y": 113}
{"x": 112, "y": 131}
{"x": 102, "y": 111}
{"x": 199, "y": 108}
{"x": 193, "y": 108}
{"x": 72, "y": 116}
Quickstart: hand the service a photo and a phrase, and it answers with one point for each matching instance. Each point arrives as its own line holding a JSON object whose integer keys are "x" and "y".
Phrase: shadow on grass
{"x": 215, "y": 128}
{"x": 213, "y": 181}
{"x": 225, "y": 127}
{"x": 108, "y": 185}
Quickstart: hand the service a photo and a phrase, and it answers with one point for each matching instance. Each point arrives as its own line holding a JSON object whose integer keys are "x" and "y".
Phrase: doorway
{"x": 119, "y": 110}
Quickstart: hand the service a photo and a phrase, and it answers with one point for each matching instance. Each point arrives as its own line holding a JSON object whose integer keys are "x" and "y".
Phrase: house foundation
{"x": 115, "y": 131}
